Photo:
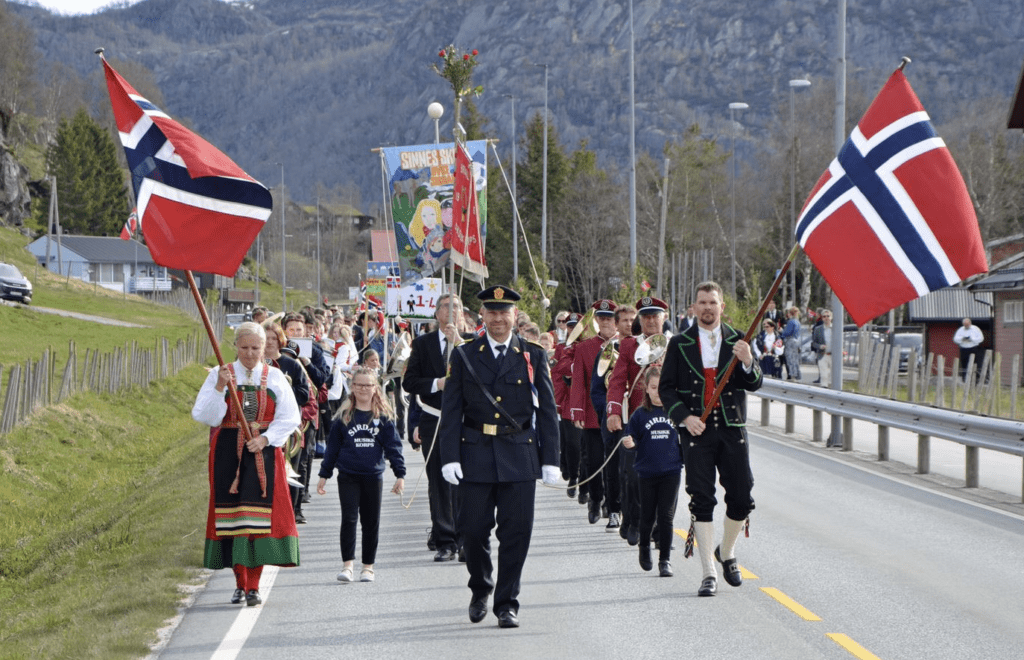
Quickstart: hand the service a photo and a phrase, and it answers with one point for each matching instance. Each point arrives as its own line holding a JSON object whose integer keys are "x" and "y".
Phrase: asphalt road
{"x": 884, "y": 568}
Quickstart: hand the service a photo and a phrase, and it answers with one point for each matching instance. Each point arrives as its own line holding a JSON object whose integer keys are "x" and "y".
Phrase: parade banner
{"x": 421, "y": 183}
{"x": 417, "y": 300}
{"x": 381, "y": 276}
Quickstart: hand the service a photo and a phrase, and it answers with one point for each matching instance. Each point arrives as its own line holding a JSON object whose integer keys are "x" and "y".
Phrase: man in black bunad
{"x": 695, "y": 362}
{"x": 499, "y": 434}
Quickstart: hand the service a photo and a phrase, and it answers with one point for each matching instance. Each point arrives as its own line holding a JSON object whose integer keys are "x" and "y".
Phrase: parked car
{"x": 14, "y": 285}
{"x": 235, "y": 320}
{"x": 907, "y": 342}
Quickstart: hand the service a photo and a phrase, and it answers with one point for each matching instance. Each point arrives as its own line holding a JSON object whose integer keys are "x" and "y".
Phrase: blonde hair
{"x": 417, "y": 229}
{"x": 250, "y": 328}
{"x": 379, "y": 406}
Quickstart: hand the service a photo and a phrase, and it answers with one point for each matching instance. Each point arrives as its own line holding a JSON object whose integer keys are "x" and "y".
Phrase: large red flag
{"x": 467, "y": 247}
{"x": 198, "y": 209}
{"x": 891, "y": 219}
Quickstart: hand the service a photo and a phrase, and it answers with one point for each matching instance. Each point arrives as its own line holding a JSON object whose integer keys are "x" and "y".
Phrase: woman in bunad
{"x": 768, "y": 349}
{"x": 250, "y": 522}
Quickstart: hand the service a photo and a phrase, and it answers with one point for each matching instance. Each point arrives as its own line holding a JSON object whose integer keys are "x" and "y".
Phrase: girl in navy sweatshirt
{"x": 658, "y": 466}
{"x": 361, "y": 436}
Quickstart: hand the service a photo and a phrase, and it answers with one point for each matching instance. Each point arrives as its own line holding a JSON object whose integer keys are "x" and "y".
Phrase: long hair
{"x": 653, "y": 372}
{"x": 379, "y": 406}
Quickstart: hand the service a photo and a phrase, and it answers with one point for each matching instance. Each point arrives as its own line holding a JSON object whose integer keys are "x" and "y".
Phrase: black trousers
{"x": 399, "y": 395}
{"x": 360, "y": 496}
{"x": 593, "y": 455}
{"x": 442, "y": 497}
{"x": 629, "y": 491}
{"x": 658, "y": 496}
{"x": 302, "y": 463}
{"x": 509, "y": 504}
{"x": 570, "y": 444}
{"x": 612, "y": 476}
{"x": 723, "y": 449}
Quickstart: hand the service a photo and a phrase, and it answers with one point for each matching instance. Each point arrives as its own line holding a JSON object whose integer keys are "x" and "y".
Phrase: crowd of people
{"x": 608, "y": 405}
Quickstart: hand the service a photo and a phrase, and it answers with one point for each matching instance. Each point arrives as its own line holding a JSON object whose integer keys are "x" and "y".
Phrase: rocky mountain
{"x": 318, "y": 84}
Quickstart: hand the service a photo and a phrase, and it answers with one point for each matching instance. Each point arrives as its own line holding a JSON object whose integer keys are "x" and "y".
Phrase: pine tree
{"x": 90, "y": 186}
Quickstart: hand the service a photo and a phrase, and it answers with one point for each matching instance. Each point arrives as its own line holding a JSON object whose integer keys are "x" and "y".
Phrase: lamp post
{"x": 258, "y": 268}
{"x": 544, "y": 184}
{"x": 793, "y": 86}
{"x": 436, "y": 110}
{"x": 319, "y": 291}
{"x": 632, "y": 156}
{"x": 515, "y": 223}
{"x": 733, "y": 107}
{"x": 284, "y": 269}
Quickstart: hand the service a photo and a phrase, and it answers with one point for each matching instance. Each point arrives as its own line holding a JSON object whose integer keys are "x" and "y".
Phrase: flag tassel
{"x": 233, "y": 399}
{"x": 754, "y": 324}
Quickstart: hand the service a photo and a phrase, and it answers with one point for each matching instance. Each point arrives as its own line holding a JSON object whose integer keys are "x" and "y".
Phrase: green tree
{"x": 17, "y": 61}
{"x": 91, "y": 187}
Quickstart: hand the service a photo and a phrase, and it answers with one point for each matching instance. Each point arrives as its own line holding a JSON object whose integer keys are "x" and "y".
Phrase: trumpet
{"x": 585, "y": 329}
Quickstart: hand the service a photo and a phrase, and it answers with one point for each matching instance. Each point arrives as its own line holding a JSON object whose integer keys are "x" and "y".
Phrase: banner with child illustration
{"x": 421, "y": 183}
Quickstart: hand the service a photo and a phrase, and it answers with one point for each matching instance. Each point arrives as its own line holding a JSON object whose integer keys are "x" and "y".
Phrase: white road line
{"x": 239, "y": 632}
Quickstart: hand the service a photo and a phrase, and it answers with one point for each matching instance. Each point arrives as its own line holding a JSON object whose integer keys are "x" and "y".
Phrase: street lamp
{"x": 733, "y": 107}
{"x": 515, "y": 223}
{"x": 319, "y": 290}
{"x": 436, "y": 110}
{"x": 793, "y": 86}
{"x": 284, "y": 270}
{"x": 544, "y": 192}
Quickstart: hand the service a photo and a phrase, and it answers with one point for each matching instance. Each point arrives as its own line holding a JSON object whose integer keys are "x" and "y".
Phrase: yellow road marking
{"x": 744, "y": 573}
{"x": 796, "y": 607}
{"x": 855, "y": 649}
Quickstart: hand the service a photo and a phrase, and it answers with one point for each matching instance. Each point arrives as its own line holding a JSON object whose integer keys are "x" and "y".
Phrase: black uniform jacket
{"x": 508, "y": 456}
{"x": 425, "y": 365}
{"x": 682, "y": 378}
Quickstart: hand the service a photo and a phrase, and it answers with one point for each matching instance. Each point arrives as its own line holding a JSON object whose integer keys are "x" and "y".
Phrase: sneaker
{"x": 345, "y": 575}
{"x": 252, "y": 598}
{"x": 366, "y": 575}
{"x": 613, "y": 522}
{"x": 238, "y": 596}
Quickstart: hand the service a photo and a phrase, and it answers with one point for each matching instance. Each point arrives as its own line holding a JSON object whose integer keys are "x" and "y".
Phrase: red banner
{"x": 467, "y": 248}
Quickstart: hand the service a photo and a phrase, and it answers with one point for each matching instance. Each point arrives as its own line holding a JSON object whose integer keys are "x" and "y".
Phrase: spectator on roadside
{"x": 821, "y": 344}
{"x": 791, "y": 343}
{"x": 969, "y": 337}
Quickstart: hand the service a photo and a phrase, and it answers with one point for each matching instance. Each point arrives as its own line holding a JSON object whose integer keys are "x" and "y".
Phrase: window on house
{"x": 106, "y": 272}
{"x": 1013, "y": 311}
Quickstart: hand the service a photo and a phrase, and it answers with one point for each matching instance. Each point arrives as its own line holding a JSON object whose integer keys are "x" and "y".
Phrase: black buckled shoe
{"x": 445, "y": 554}
{"x": 730, "y": 571}
{"x": 708, "y": 587}
{"x": 477, "y": 609}
{"x": 593, "y": 512}
{"x": 645, "y": 558}
{"x": 238, "y": 596}
{"x": 508, "y": 619}
{"x": 252, "y": 599}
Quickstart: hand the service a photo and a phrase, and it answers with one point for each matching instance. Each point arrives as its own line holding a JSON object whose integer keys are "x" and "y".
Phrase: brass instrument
{"x": 585, "y": 329}
{"x": 650, "y": 349}
{"x": 606, "y": 360}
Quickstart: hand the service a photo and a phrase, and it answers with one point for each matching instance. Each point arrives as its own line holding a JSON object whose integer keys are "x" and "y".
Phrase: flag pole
{"x": 731, "y": 366}
{"x": 233, "y": 393}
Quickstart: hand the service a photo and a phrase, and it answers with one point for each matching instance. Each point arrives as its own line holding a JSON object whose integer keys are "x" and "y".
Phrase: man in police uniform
{"x": 499, "y": 433}
{"x": 695, "y": 362}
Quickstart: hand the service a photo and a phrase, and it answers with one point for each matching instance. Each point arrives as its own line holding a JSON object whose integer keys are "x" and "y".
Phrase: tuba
{"x": 585, "y": 329}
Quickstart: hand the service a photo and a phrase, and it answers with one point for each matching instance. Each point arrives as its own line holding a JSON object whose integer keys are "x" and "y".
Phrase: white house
{"x": 108, "y": 261}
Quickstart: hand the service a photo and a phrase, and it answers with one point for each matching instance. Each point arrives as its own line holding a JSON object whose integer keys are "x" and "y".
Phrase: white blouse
{"x": 211, "y": 408}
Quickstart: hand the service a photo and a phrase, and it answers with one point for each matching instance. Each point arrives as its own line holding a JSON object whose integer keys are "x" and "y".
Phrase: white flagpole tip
{"x": 99, "y": 51}
{"x": 904, "y": 61}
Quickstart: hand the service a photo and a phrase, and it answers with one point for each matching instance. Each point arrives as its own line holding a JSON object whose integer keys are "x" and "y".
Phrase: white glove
{"x": 452, "y": 472}
{"x": 551, "y": 474}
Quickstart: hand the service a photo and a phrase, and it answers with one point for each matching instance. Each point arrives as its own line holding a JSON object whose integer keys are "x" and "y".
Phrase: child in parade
{"x": 362, "y": 435}
{"x": 658, "y": 466}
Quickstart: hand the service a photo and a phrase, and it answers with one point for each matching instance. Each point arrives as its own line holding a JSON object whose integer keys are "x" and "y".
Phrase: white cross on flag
{"x": 891, "y": 219}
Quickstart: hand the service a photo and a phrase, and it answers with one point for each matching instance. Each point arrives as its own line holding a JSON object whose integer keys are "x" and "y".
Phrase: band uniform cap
{"x": 291, "y": 349}
{"x": 573, "y": 319}
{"x": 604, "y": 308}
{"x": 649, "y": 305}
{"x": 498, "y": 297}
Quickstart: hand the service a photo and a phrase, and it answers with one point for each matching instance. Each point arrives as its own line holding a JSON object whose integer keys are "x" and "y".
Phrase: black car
{"x": 14, "y": 285}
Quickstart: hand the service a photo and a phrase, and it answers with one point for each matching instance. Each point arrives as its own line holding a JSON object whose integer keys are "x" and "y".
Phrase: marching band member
{"x": 585, "y": 418}
{"x": 696, "y": 360}
{"x": 561, "y": 377}
{"x": 249, "y": 521}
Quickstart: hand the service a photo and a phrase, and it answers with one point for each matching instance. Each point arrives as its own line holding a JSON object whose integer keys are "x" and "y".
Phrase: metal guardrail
{"x": 1001, "y": 435}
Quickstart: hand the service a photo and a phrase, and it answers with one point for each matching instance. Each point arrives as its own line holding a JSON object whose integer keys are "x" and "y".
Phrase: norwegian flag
{"x": 198, "y": 209}
{"x": 131, "y": 227}
{"x": 891, "y": 219}
{"x": 645, "y": 285}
